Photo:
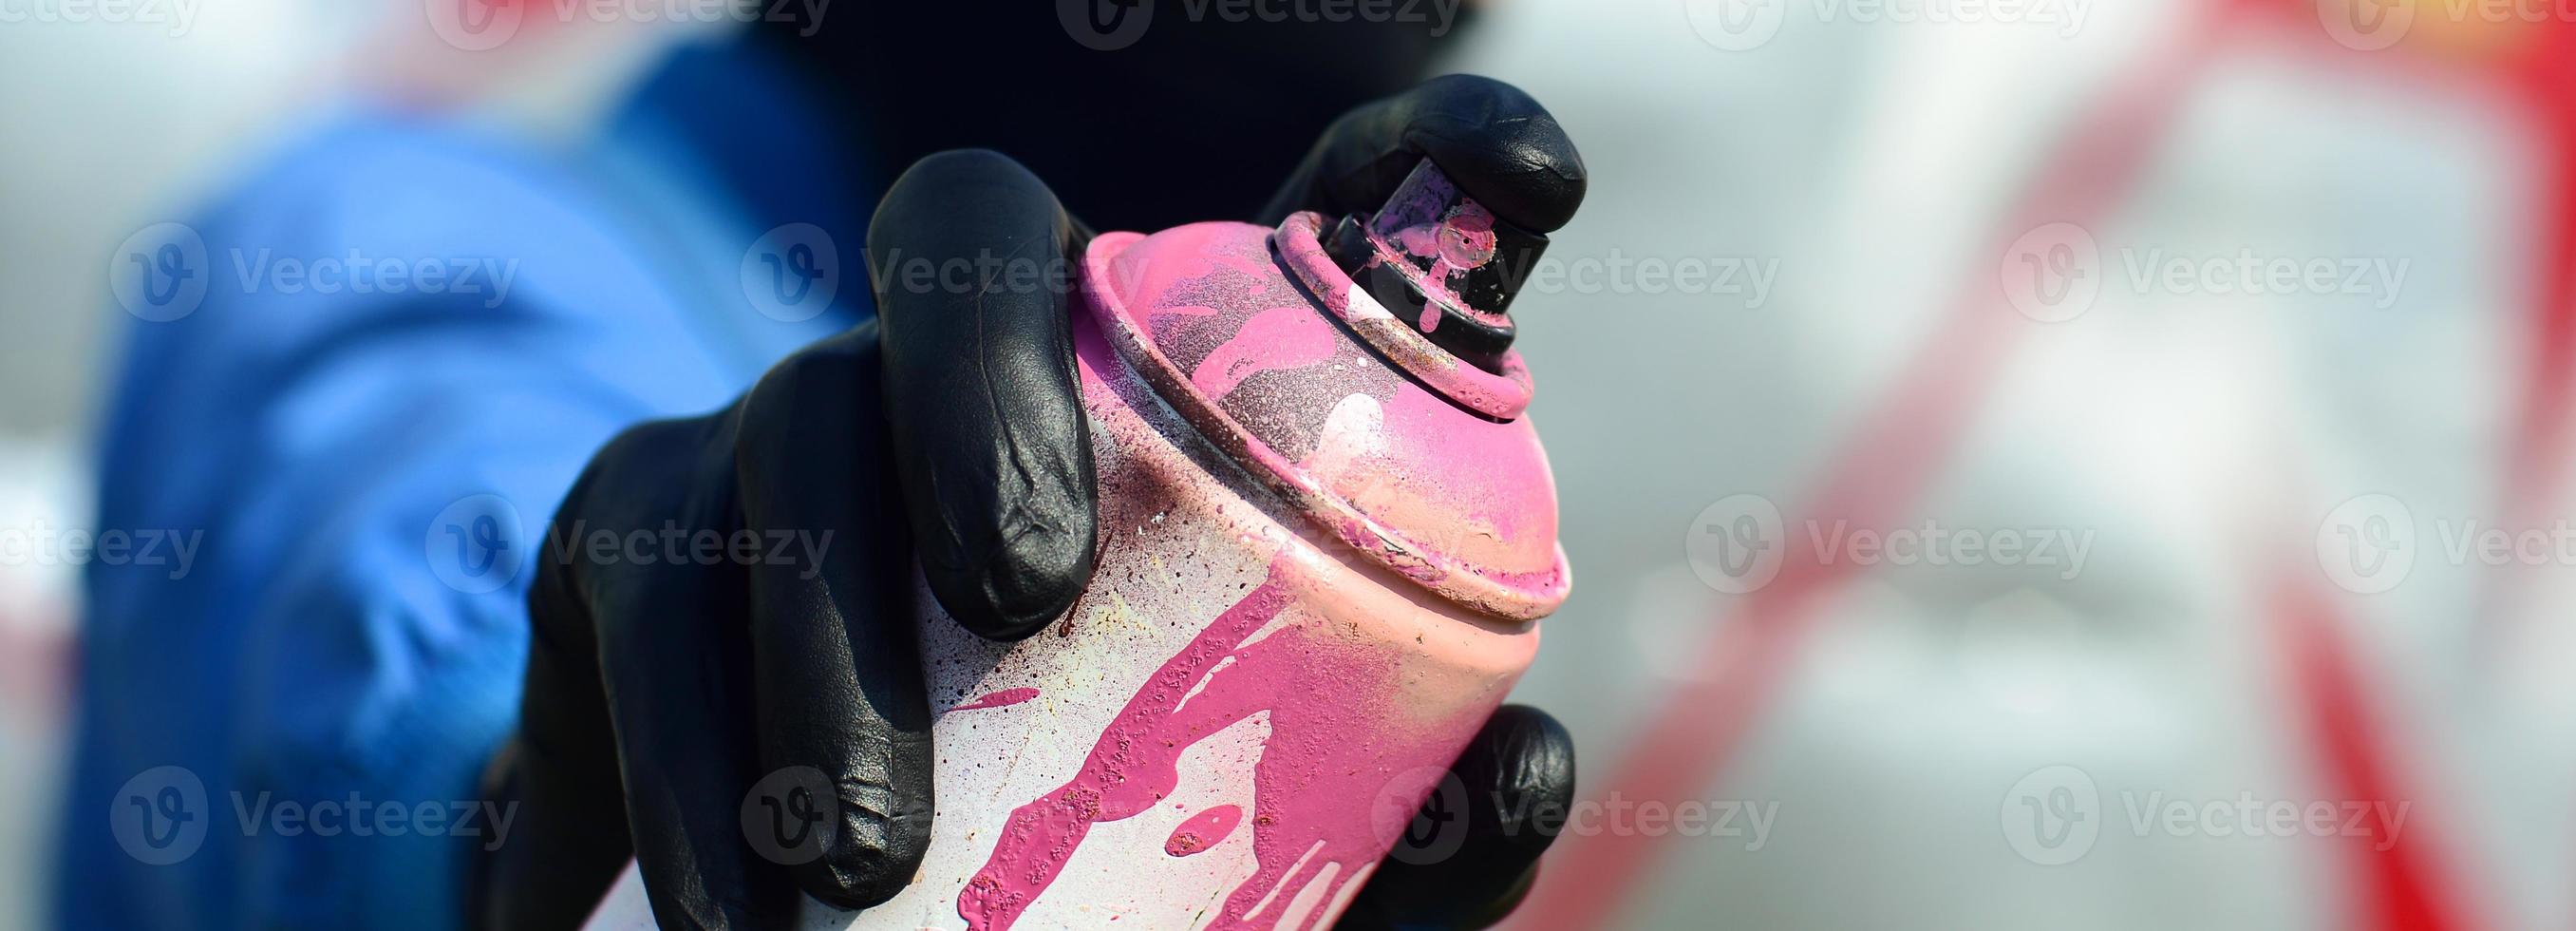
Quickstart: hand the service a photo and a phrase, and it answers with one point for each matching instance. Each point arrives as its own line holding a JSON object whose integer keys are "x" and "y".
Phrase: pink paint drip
{"x": 1003, "y": 698}
{"x": 1204, "y": 830}
{"x": 1328, "y": 746}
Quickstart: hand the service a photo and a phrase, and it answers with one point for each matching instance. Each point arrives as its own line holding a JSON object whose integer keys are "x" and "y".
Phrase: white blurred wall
{"x": 1865, "y": 163}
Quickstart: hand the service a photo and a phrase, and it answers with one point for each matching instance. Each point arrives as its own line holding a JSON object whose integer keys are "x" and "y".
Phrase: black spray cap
{"x": 1437, "y": 259}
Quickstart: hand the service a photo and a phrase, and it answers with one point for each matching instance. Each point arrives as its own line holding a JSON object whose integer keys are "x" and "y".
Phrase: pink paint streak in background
{"x": 1328, "y": 750}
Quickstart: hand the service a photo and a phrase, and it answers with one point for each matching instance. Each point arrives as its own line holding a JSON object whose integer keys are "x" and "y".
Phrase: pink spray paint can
{"x": 1327, "y": 535}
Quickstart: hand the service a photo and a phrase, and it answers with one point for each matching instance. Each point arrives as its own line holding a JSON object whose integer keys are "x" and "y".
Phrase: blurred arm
{"x": 346, "y": 637}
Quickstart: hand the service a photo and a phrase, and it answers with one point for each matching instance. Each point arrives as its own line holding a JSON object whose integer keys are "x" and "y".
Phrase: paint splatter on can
{"x": 1325, "y": 544}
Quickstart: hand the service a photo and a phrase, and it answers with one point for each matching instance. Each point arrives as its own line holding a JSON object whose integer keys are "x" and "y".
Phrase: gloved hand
{"x": 658, "y": 695}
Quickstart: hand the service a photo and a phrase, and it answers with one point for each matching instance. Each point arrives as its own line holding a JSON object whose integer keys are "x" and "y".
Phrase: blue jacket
{"x": 389, "y": 321}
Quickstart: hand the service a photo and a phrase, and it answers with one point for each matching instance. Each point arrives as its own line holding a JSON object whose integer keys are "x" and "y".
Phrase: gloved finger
{"x": 840, "y": 701}
{"x": 1499, "y": 145}
{"x": 1478, "y": 840}
{"x": 559, "y": 773}
{"x": 969, "y": 256}
{"x": 676, "y": 670}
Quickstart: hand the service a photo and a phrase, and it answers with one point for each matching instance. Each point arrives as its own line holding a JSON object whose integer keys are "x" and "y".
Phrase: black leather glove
{"x": 951, "y": 430}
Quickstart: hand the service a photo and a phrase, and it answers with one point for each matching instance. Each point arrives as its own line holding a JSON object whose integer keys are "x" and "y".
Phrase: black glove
{"x": 658, "y": 695}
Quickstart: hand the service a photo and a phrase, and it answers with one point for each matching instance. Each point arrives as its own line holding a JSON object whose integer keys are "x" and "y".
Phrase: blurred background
{"x": 2027, "y": 463}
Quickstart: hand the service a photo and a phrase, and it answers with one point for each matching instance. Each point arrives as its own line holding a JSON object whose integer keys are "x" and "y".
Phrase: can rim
{"x": 1500, "y": 395}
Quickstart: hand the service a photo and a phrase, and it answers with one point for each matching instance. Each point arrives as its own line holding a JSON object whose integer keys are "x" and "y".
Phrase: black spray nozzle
{"x": 1439, "y": 260}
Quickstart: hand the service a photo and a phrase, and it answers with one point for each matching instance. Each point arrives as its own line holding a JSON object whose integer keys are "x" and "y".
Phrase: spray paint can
{"x": 1328, "y": 532}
